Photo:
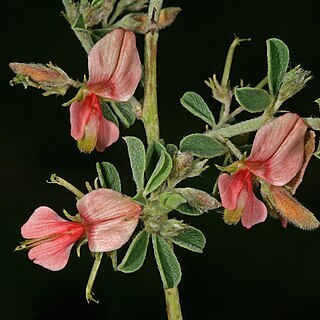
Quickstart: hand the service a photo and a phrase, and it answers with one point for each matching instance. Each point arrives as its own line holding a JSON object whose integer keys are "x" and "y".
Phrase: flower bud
{"x": 137, "y": 21}
{"x": 281, "y": 200}
{"x": 50, "y": 78}
{"x": 199, "y": 199}
{"x": 293, "y": 82}
{"x": 182, "y": 161}
{"x": 171, "y": 227}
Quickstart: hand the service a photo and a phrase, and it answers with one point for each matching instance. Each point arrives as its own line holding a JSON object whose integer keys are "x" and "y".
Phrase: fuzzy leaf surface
{"x": 168, "y": 264}
{"x": 253, "y": 99}
{"x": 136, "y": 253}
{"x": 202, "y": 146}
{"x": 278, "y": 61}
{"x": 137, "y": 155}
{"x": 190, "y": 238}
{"x": 124, "y": 113}
{"x": 197, "y": 106}
{"x": 108, "y": 176}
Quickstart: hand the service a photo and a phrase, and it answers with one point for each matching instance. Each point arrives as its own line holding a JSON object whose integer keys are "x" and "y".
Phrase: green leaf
{"x": 253, "y": 99}
{"x": 97, "y": 34}
{"x": 79, "y": 23}
{"x": 124, "y": 113}
{"x": 140, "y": 199}
{"x": 108, "y": 176}
{"x": 167, "y": 262}
{"x": 152, "y": 156}
{"x": 278, "y": 61}
{"x": 137, "y": 155}
{"x": 187, "y": 209}
{"x": 191, "y": 239}
{"x": 171, "y": 200}
{"x": 136, "y": 253}
{"x": 202, "y": 146}
{"x": 313, "y": 123}
{"x": 172, "y": 149}
{"x": 160, "y": 173}
{"x": 197, "y": 106}
{"x": 108, "y": 113}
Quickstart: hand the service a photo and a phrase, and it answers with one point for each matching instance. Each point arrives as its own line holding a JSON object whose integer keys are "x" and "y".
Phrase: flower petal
{"x": 254, "y": 211}
{"x": 90, "y": 136}
{"x": 79, "y": 114}
{"x": 108, "y": 134}
{"x": 45, "y": 222}
{"x": 278, "y": 150}
{"x": 309, "y": 148}
{"x": 54, "y": 254}
{"x": 230, "y": 187}
{"x": 109, "y": 218}
{"x": 112, "y": 234}
{"x": 114, "y": 66}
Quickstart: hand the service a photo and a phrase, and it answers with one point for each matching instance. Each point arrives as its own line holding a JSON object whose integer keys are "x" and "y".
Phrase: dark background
{"x": 265, "y": 272}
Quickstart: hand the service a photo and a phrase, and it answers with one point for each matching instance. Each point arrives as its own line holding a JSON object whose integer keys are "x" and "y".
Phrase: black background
{"x": 266, "y": 272}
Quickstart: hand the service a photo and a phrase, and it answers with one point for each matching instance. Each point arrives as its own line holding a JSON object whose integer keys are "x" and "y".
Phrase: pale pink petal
{"x": 278, "y": 150}
{"x": 230, "y": 187}
{"x": 111, "y": 234}
{"x": 108, "y": 134}
{"x": 79, "y": 115}
{"x": 271, "y": 136}
{"x": 54, "y": 254}
{"x": 114, "y": 66}
{"x": 109, "y": 218}
{"x": 45, "y": 222}
{"x": 254, "y": 210}
{"x": 284, "y": 221}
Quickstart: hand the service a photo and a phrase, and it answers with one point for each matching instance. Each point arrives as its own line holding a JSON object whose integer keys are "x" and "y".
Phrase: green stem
{"x": 92, "y": 277}
{"x": 233, "y": 149}
{"x": 173, "y": 304}
{"x": 240, "y": 128}
{"x": 85, "y": 39}
{"x": 225, "y": 108}
{"x": 262, "y": 83}
{"x": 63, "y": 183}
{"x": 228, "y": 63}
{"x": 151, "y": 120}
{"x": 150, "y": 108}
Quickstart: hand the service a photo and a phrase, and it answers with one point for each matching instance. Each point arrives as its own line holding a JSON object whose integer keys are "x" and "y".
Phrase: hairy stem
{"x": 150, "y": 108}
{"x": 63, "y": 183}
{"x": 173, "y": 304}
{"x": 92, "y": 277}
{"x": 151, "y": 120}
{"x": 262, "y": 83}
{"x": 239, "y": 128}
{"x": 228, "y": 63}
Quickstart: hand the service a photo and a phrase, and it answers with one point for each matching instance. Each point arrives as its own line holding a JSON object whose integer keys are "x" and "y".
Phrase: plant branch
{"x": 150, "y": 108}
{"x": 173, "y": 304}
{"x": 151, "y": 120}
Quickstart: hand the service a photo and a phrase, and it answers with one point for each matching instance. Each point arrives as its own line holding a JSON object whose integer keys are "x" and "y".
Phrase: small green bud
{"x": 171, "y": 228}
{"x": 293, "y": 82}
{"x": 221, "y": 94}
{"x": 199, "y": 199}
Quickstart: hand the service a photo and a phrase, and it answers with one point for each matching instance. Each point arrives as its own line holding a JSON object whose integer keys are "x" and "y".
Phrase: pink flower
{"x": 277, "y": 156}
{"x": 106, "y": 218}
{"x": 114, "y": 73}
